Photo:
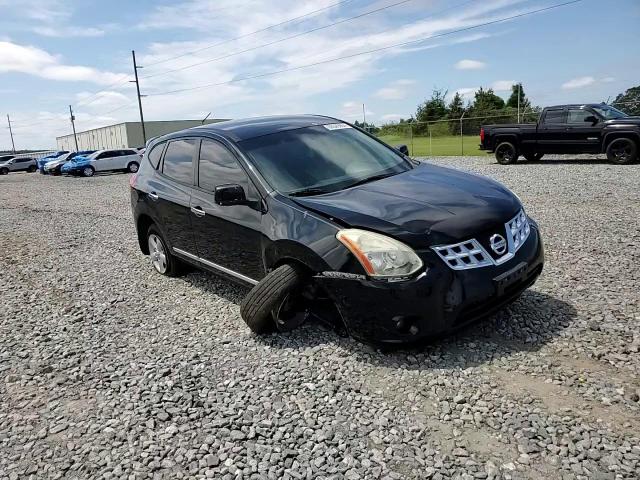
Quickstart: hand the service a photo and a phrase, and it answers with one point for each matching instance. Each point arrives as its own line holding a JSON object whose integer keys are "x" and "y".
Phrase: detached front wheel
{"x": 622, "y": 151}
{"x": 506, "y": 153}
{"x": 271, "y": 295}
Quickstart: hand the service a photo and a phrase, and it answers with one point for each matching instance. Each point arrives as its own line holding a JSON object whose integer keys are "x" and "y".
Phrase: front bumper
{"x": 436, "y": 302}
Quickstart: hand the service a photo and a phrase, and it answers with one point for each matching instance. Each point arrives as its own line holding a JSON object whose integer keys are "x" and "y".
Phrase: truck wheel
{"x": 268, "y": 296}
{"x": 506, "y": 153}
{"x": 622, "y": 151}
{"x": 4, "y": 171}
{"x": 534, "y": 157}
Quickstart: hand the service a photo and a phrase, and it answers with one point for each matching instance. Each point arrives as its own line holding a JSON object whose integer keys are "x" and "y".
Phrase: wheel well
{"x": 144, "y": 222}
{"x": 506, "y": 138}
{"x": 615, "y": 136}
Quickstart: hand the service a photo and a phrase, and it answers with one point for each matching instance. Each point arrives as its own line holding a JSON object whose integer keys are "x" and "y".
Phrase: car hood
{"x": 625, "y": 121}
{"x": 428, "y": 205}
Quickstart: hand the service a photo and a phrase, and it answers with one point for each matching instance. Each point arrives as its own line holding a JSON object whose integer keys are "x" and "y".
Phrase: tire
{"x": 32, "y": 169}
{"x": 88, "y": 171}
{"x": 4, "y": 171}
{"x": 256, "y": 308}
{"x": 506, "y": 153}
{"x": 534, "y": 157}
{"x": 133, "y": 167}
{"x": 168, "y": 265}
{"x": 622, "y": 151}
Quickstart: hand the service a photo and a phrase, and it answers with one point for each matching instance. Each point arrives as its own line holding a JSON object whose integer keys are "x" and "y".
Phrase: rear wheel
{"x": 133, "y": 167}
{"x": 275, "y": 294}
{"x": 159, "y": 254}
{"x": 31, "y": 169}
{"x": 622, "y": 151}
{"x": 4, "y": 171}
{"x": 534, "y": 157}
{"x": 88, "y": 172}
{"x": 506, "y": 153}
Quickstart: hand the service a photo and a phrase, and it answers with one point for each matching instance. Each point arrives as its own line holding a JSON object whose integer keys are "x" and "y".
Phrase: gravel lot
{"x": 108, "y": 370}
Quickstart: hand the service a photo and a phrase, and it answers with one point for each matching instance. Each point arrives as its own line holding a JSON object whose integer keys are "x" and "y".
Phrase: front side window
{"x": 218, "y": 167}
{"x": 320, "y": 159}
{"x": 178, "y": 160}
{"x": 554, "y": 116}
{"x": 578, "y": 116}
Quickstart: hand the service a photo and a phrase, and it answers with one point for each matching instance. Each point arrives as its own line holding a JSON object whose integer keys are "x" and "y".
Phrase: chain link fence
{"x": 460, "y": 136}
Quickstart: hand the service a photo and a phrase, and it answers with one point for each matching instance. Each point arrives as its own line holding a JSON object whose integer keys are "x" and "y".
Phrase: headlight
{"x": 379, "y": 255}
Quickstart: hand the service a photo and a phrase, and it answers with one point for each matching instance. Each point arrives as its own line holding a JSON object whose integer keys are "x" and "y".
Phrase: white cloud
{"x": 352, "y": 110}
{"x": 470, "y": 65}
{"x": 34, "y": 61}
{"x": 68, "y": 31}
{"x": 578, "y": 83}
{"x": 466, "y": 93}
{"x": 503, "y": 85}
{"x": 396, "y": 90}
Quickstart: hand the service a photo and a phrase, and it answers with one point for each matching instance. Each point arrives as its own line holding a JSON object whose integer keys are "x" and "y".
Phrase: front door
{"x": 552, "y": 132}
{"x": 583, "y": 134}
{"x": 228, "y": 238}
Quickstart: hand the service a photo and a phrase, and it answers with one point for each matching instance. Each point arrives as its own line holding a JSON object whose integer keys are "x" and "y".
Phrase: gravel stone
{"x": 108, "y": 370}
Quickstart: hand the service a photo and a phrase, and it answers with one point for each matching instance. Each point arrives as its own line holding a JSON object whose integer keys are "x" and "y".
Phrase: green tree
{"x": 629, "y": 101}
{"x": 434, "y": 108}
{"x": 455, "y": 111}
{"x": 486, "y": 102}
{"x": 513, "y": 99}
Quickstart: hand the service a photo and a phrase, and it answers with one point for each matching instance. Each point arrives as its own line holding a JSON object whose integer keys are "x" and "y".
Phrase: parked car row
{"x": 84, "y": 162}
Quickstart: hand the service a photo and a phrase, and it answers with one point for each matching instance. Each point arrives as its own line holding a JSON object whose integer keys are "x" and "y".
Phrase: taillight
{"x": 132, "y": 180}
{"x": 481, "y": 134}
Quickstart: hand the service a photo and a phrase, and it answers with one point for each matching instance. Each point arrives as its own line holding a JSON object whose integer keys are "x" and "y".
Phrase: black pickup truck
{"x": 567, "y": 129}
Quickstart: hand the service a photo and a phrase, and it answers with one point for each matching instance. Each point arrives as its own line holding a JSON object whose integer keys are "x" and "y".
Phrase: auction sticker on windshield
{"x": 336, "y": 126}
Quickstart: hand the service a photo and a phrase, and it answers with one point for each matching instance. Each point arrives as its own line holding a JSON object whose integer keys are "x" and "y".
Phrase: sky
{"x": 54, "y": 53}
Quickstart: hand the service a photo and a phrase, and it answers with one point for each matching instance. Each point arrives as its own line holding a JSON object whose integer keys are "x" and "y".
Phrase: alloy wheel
{"x": 157, "y": 253}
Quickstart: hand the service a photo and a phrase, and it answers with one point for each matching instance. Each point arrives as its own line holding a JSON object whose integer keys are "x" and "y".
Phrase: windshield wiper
{"x": 372, "y": 178}
{"x": 304, "y": 192}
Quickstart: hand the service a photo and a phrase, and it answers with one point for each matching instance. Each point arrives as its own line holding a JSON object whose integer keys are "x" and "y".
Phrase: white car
{"x": 103, "y": 161}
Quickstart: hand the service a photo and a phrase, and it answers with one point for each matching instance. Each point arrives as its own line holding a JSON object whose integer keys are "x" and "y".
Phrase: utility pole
{"x": 364, "y": 118}
{"x": 13, "y": 145}
{"x": 73, "y": 124}
{"x": 137, "y": 82}
{"x": 519, "y": 86}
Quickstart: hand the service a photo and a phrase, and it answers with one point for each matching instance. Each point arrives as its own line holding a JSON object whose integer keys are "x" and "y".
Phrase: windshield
{"x": 321, "y": 159}
{"x": 609, "y": 113}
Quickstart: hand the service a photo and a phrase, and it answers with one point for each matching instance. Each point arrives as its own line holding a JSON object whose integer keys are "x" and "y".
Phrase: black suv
{"x": 566, "y": 129}
{"x": 321, "y": 218}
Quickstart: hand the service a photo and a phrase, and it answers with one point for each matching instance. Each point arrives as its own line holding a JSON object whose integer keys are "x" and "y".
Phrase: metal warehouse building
{"x": 124, "y": 135}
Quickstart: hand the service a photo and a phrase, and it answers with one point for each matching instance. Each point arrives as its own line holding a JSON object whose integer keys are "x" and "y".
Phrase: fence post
{"x": 461, "y": 135}
{"x": 430, "y": 146}
{"x": 411, "y": 132}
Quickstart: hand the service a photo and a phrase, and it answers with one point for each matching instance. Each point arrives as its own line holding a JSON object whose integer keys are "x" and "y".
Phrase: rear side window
{"x": 155, "y": 155}
{"x": 554, "y": 116}
{"x": 218, "y": 166}
{"x": 178, "y": 160}
{"x": 578, "y": 116}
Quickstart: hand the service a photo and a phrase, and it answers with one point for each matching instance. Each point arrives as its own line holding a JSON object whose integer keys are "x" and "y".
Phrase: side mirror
{"x": 592, "y": 119}
{"x": 226, "y": 195}
{"x": 403, "y": 149}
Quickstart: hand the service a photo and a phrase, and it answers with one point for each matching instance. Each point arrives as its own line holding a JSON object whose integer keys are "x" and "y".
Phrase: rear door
{"x": 171, "y": 191}
{"x": 126, "y": 157}
{"x": 582, "y": 135}
{"x": 552, "y": 131}
{"x": 228, "y": 237}
{"x": 102, "y": 162}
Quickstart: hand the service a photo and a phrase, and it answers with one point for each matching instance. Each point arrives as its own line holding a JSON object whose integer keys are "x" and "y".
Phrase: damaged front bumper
{"x": 437, "y": 301}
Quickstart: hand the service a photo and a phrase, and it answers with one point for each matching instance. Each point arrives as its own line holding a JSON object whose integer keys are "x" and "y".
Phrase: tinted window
{"x": 553, "y": 116}
{"x": 155, "y": 155}
{"x": 218, "y": 166}
{"x": 104, "y": 155}
{"x": 129, "y": 152}
{"x": 578, "y": 116}
{"x": 177, "y": 160}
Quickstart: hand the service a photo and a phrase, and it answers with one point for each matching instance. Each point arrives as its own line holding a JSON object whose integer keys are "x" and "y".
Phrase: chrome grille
{"x": 464, "y": 255}
{"x": 470, "y": 253}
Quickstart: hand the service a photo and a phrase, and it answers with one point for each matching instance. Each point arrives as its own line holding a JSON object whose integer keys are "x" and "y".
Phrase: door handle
{"x": 198, "y": 211}
{"x": 153, "y": 196}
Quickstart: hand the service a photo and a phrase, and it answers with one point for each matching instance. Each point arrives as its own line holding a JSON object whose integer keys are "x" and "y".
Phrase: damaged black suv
{"x": 323, "y": 219}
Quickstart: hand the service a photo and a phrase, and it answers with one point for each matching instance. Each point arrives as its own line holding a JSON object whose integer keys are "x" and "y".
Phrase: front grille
{"x": 464, "y": 255}
{"x": 471, "y": 254}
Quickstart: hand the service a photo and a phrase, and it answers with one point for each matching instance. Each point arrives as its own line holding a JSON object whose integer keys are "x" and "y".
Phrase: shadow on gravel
{"x": 526, "y": 325}
{"x": 565, "y": 161}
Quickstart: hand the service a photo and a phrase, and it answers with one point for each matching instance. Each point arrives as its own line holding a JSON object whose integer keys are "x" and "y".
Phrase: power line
{"x": 248, "y": 34}
{"x": 403, "y": 44}
{"x": 297, "y": 35}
